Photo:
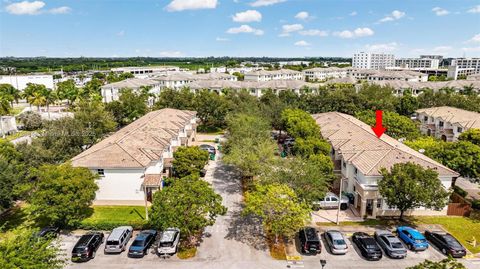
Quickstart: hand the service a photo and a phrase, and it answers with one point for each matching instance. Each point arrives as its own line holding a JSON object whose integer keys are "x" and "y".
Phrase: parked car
{"x": 48, "y": 231}
{"x": 87, "y": 246}
{"x": 309, "y": 240}
{"x": 448, "y": 244}
{"x": 118, "y": 239}
{"x": 142, "y": 242}
{"x": 211, "y": 149}
{"x": 331, "y": 201}
{"x": 336, "y": 242}
{"x": 367, "y": 245}
{"x": 412, "y": 238}
{"x": 391, "y": 245}
{"x": 168, "y": 244}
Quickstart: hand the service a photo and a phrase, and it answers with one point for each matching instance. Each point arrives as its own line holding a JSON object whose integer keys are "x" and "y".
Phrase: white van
{"x": 117, "y": 241}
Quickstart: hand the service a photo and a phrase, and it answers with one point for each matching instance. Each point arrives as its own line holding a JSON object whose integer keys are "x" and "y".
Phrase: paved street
{"x": 236, "y": 242}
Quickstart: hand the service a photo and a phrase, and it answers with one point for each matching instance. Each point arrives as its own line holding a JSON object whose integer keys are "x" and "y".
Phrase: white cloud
{"x": 25, "y": 8}
{"x": 471, "y": 49}
{"x": 359, "y": 32}
{"x": 34, "y": 8}
{"x": 475, "y": 9}
{"x": 222, "y": 39}
{"x": 353, "y": 13}
{"x": 387, "y": 47}
{"x": 395, "y": 15}
{"x": 475, "y": 39}
{"x": 440, "y": 11}
{"x": 290, "y": 28}
{"x": 302, "y": 43}
{"x": 171, "y": 54}
{"x": 121, "y": 33}
{"x": 314, "y": 32}
{"x": 262, "y": 3}
{"x": 180, "y": 5}
{"x": 303, "y": 15}
{"x": 245, "y": 29}
{"x": 247, "y": 16}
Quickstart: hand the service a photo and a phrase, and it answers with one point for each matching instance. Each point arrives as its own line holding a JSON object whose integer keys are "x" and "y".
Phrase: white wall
{"x": 20, "y": 82}
{"x": 121, "y": 184}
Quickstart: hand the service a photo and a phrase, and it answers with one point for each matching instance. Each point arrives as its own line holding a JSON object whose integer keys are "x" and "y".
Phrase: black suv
{"x": 86, "y": 246}
{"x": 367, "y": 245}
{"x": 446, "y": 243}
{"x": 309, "y": 240}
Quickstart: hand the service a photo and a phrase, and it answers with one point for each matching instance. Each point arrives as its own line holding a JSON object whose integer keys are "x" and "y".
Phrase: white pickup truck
{"x": 331, "y": 201}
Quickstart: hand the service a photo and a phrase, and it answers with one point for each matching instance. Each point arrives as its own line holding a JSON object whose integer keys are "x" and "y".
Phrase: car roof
{"x": 84, "y": 239}
{"x": 311, "y": 234}
{"x": 335, "y": 234}
{"x": 416, "y": 234}
{"x": 117, "y": 232}
{"x": 168, "y": 235}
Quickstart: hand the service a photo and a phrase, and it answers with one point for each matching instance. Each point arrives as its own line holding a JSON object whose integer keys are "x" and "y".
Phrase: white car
{"x": 331, "y": 201}
{"x": 168, "y": 244}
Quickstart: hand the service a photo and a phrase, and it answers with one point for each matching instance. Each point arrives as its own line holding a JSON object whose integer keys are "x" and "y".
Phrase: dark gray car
{"x": 391, "y": 245}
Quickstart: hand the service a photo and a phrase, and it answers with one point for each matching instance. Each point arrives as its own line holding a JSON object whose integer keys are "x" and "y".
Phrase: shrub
{"x": 30, "y": 120}
{"x": 105, "y": 225}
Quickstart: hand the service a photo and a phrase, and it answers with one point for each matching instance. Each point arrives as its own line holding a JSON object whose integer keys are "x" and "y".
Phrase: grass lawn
{"x": 17, "y": 135}
{"x": 462, "y": 228}
{"x": 105, "y": 217}
{"x": 186, "y": 253}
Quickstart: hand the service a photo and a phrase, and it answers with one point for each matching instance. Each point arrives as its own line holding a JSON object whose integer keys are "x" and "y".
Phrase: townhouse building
{"x": 133, "y": 162}
{"x": 323, "y": 74}
{"x": 358, "y": 156}
{"x": 447, "y": 123}
{"x": 390, "y": 75}
{"x": 111, "y": 92}
{"x": 282, "y": 74}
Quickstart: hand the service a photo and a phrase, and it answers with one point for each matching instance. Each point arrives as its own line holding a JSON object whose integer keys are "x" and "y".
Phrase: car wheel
{"x": 93, "y": 255}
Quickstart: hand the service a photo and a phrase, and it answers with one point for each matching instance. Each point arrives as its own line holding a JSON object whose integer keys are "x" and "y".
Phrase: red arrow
{"x": 378, "y": 129}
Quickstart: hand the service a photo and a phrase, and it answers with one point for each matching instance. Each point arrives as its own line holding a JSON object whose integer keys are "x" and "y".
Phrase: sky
{"x": 238, "y": 28}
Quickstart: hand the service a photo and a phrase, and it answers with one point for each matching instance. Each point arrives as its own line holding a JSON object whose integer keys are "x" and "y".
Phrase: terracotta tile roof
{"x": 131, "y": 83}
{"x": 465, "y": 118}
{"x": 358, "y": 144}
{"x": 138, "y": 144}
{"x": 152, "y": 180}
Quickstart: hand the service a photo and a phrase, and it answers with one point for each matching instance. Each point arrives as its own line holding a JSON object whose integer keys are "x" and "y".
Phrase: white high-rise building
{"x": 464, "y": 67}
{"x": 417, "y": 63}
{"x": 377, "y": 61}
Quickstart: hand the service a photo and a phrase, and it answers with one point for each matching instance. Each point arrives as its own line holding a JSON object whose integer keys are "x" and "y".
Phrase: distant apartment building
{"x": 412, "y": 63}
{"x": 380, "y": 75}
{"x": 133, "y": 162}
{"x": 20, "y": 82}
{"x": 358, "y": 155}
{"x": 111, "y": 92}
{"x": 175, "y": 80}
{"x": 146, "y": 71}
{"x": 376, "y": 61}
{"x": 447, "y": 123}
{"x": 463, "y": 67}
{"x": 282, "y": 74}
{"x": 322, "y": 74}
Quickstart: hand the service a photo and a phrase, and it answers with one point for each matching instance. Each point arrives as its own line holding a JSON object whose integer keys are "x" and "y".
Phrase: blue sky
{"x": 278, "y": 28}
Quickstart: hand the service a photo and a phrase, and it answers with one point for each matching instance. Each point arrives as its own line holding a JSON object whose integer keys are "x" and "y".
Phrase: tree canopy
{"x": 189, "y": 160}
{"x": 397, "y": 126}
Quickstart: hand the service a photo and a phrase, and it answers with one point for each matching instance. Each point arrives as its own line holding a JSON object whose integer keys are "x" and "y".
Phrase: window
{"x": 344, "y": 164}
{"x": 440, "y": 123}
{"x": 459, "y": 129}
{"x": 425, "y": 118}
{"x": 356, "y": 171}
{"x": 101, "y": 172}
{"x": 379, "y": 203}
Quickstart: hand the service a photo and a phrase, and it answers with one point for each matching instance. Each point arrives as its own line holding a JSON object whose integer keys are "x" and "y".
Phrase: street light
{"x": 323, "y": 263}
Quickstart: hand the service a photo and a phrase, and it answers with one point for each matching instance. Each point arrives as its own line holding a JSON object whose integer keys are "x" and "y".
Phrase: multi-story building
{"x": 463, "y": 67}
{"x": 146, "y": 71}
{"x": 133, "y": 162}
{"x": 358, "y": 155}
{"x": 412, "y": 63}
{"x": 447, "y": 123}
{"x": 282, "y": 74}
{"x": 20, "y": 82}
{"x": 111, "y": 92}
{"x": 380, "y": 75}
{"x": 324, "y": 73}
{"x": 376, "y": 61}
{"x": 174, "y": 80}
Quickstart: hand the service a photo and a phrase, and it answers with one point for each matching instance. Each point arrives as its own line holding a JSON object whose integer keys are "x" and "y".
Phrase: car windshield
{"x": 166, "y": 244}
{"x": 112, "y": 243}
{"x": 419, "y": 241}
{"x": 79, "y": 249}
{"x": 371, "y": 246}
{"x": 339, "y": 242}
{"x": 452, "y": 241}
{"x": 397, "y": 245}
{"x": 137, "y": 243}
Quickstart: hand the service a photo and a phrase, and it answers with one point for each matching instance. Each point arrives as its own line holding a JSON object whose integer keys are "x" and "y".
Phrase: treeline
{"x": 43, "y": 64}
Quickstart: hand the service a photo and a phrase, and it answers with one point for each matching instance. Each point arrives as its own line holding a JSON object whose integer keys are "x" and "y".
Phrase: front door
{"x": 369, "y": 209}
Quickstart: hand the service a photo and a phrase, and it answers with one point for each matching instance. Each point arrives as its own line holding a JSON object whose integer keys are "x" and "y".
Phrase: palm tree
{"x": 50, "y": 97}
{"x": 10, "y": 92}
{"x": 30, "y": 90}
{"x": 36, "y": 99}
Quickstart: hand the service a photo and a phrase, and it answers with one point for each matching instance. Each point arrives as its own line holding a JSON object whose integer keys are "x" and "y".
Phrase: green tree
{"x": 21, "y": 249}
{"x": 182, "y": 99}
{"x": 9, "y": 92}
{"x": 188, "y": 161}
{"x": 407, "y": 104}
{"x": 461, "y": 156}
{"x": 30, "y": 120}
{"x": 63, "y": 138}
{"x": 62, "y": 194}
{"x": 310, "y": 146}
{"x": 448, "y": 263}
{"x": 408, "y": 185}
{"x": 397, "y": 126}
{"x": 67, "y": 90}
{"x": 278, "y": 207}
{"x": 376, "y": 97}
{"x": 189, "y": 204}
{"x": 34, "y": 94}
{"x": 471, "y": 135}
{"x": 129, "y": 107}
{"x": 95, "y": 120}
{"x": 212, "y": 109}
{"x": 299, "y": 124}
